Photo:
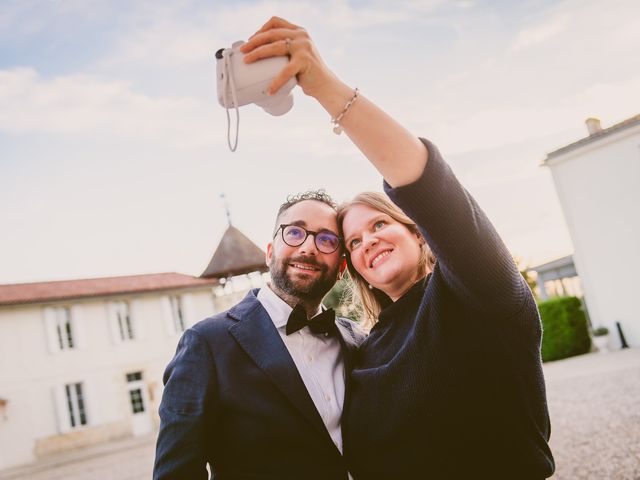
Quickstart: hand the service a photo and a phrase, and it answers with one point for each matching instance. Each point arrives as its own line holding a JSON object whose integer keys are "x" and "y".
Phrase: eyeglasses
{"x": 294, "y": 236}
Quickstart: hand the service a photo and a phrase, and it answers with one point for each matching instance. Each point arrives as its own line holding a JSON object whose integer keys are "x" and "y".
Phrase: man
{"x": 257, "y": 392}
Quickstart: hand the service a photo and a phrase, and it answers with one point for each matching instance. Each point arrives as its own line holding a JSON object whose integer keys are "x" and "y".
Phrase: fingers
{"x": 279, "y": 37}
{"x": 274, "y": 49}
{"x": 271, "y": 36}
{"x": 288, "y": 72}
{"x": 266, "y": 37}
{"x": 276, "y": 22}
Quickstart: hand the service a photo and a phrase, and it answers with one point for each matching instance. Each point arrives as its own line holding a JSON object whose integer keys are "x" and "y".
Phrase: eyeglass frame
{"x": 307, "y": 233}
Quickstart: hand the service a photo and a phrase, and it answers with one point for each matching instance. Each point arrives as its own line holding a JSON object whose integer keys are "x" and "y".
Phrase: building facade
{"x": 81, "y": 361}
{"x": 597, "y": 180}
{"x": 557, "y": 278}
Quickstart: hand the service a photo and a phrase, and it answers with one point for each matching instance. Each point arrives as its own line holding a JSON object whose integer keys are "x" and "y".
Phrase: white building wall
{"x": 30, "y": 373}
{"x": 599, "y": 188}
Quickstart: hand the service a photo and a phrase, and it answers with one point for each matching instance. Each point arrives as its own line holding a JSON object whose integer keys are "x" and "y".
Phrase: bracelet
{"x": 337, "y": 129}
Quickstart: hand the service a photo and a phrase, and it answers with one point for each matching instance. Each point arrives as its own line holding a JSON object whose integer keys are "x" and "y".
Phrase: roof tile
{"x": 26, "y": 293}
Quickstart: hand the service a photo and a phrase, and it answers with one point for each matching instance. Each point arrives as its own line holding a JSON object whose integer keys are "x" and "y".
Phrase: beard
{"x": 301, "y": 287}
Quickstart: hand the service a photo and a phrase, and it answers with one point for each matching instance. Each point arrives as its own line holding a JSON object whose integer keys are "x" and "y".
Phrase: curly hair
{"x": 317, "y": 195}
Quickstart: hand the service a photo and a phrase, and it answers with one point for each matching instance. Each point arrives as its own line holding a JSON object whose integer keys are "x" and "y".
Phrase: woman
{"x": 449, "y": 382}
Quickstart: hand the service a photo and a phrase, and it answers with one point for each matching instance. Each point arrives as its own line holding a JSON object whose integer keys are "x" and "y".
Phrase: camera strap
{"x": 230, "y": 82}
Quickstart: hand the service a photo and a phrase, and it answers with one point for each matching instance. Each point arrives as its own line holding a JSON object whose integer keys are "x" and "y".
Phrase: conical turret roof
{"x": 235, "y": 255}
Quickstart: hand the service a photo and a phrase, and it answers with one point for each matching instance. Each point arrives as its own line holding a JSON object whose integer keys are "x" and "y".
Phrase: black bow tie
{"x": 325, "y": 322}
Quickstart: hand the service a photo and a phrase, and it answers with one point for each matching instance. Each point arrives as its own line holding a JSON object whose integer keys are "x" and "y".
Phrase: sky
{"x": 113, "y": 152}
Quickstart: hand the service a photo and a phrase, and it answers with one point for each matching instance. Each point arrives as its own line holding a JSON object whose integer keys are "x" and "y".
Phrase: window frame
{"x": 76, "y": 405}
{"x": 124, "y": 323}
{"x": 64, "y": 328}
{"x": 177, "y": 313}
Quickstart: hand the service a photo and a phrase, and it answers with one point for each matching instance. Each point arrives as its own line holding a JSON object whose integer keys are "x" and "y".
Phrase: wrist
{"x": 334, "y": 97}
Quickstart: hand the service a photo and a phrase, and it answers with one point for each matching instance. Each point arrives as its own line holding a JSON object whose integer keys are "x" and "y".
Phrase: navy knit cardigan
{"x": 449, "y": 383}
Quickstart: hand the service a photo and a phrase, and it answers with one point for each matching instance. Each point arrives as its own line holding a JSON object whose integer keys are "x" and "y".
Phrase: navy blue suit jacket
{"x": 233, "y": 398}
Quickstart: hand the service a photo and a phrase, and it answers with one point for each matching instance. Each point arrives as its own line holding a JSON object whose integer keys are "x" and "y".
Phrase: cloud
{"x": 81, "y": 104}
{"x": 579, "y": 60}
{"x": 585, "y": 27}
{"x": 171, "y": 37}
{"x": 542, "y": 32}
{"x": 503, "y": 124}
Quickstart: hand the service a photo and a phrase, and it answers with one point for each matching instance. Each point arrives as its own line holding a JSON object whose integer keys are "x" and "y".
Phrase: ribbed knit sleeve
{"x": 449, "y": 382}
{"x": 472, "y": 258}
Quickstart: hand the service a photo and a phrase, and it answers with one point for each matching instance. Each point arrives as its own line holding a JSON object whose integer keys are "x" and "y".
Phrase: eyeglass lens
{"x": 326, "y": 242}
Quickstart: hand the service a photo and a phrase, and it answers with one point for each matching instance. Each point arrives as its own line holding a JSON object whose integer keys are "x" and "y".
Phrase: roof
{"x": 628, "y": 123}
{"x": 26, "y": 293}
{"x": 558, "y": 263}
{"x": 235, "y": 255}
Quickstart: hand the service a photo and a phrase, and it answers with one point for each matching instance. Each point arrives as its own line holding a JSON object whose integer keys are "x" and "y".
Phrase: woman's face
{"x": 382, "y": 250}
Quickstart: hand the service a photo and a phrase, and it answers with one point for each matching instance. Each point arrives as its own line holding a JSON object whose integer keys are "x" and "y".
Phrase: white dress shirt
{"x": 318, "y": 359}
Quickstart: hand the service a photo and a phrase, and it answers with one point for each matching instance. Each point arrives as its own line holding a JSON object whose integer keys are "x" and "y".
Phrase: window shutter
{"x": 167, "y": 315}
{"x": 112, "y": 319}
{"x": 62, "y": 409}
{"x": 137, "y": 323}
{"x": 50, "y": 329}
{"x": 188, "y": 310}
{"x": 91, "y": 406}
{"x": 79, "y": 327}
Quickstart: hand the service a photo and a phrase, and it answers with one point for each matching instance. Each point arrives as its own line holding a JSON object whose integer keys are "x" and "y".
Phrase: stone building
{"x": 81, "y": 361}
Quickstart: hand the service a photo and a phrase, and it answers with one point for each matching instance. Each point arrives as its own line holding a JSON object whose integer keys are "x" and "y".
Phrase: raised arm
{"x": 472, "y": 258}
{"x": 397, "y": 154}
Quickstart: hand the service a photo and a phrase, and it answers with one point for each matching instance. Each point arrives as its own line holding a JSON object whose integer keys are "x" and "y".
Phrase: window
{"x": 177, "y": 313}
{"x": 75, "y": 405}
{"x": 64, "y": 328}
{"x": 135, "y": 392}
{"x": 123, "y": 320}
{"x": 64, "y": 331}
{"x": 134, "y": 377}
{"x": 137, "y": 404}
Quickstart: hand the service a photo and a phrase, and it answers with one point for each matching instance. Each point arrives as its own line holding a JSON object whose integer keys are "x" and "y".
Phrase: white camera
{"x": 242, "y": 83}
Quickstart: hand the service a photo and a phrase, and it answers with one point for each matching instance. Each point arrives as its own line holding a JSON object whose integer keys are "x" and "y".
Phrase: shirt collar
{"x": 278, "y": 309}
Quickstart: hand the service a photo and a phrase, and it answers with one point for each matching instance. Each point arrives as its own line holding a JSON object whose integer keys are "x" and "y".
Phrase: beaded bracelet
{"x": 337, "y": 129}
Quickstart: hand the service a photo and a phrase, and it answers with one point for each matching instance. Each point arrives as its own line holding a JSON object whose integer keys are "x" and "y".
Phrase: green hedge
{"x": 565, "y": 329}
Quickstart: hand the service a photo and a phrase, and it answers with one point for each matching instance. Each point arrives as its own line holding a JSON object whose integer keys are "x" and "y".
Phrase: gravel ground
{"x": 594, "y": 402}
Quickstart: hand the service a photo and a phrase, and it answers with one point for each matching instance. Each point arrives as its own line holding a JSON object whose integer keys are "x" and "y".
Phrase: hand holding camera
{"x": 240, "y": 83}
{"x": 265, "y": 69}
{"x": 279, "y": 37}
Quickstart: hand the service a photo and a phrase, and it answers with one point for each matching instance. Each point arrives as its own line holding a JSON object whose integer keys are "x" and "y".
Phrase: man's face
{"x": 304, "y": 271}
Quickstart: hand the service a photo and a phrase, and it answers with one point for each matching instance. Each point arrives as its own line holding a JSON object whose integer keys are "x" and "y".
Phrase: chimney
{"x": 593, "y": 125}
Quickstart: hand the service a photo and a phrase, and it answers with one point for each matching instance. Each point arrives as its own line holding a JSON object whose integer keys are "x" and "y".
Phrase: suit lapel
{"x": 259, "y": 338}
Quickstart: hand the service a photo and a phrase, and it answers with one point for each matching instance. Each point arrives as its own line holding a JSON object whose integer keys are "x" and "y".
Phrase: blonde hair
{"x": 372, "y": 300}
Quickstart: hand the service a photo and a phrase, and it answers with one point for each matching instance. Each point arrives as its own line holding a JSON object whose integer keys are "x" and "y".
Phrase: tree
{"x": 526, "y": 274}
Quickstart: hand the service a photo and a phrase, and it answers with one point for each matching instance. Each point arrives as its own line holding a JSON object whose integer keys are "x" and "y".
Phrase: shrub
{"x": 565, "y": 329}
{"x": 600, "y": 331}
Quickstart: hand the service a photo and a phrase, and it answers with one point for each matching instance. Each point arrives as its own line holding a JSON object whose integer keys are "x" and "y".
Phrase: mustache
{"x": 308, "y": 260}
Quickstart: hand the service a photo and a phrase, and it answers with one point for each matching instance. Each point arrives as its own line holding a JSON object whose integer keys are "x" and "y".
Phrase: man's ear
{"x": 269, "y": 253}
